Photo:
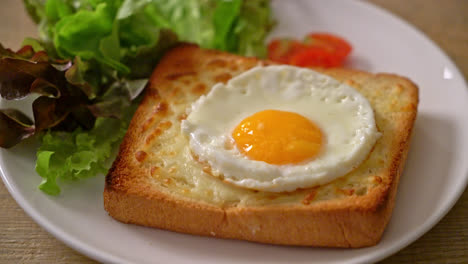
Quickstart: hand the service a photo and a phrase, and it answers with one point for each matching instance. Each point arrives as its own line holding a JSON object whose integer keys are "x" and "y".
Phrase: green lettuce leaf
{"x": 68, "y": 156}
{"x": 191, "y": 20}
{"x": 110, "y": 31}
{"x": 35, "y": 9}
{"x": 35, "y": 44}
{"x": 90, "y": 35}
{"x": 225, "y": 16}
{"x": 232, "y": 25}
{"x": 93, "y": 60}
{"x": 252, "y": 27}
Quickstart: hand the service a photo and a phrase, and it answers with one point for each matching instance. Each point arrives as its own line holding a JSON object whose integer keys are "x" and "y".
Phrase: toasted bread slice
{"x": 156, "y": 182}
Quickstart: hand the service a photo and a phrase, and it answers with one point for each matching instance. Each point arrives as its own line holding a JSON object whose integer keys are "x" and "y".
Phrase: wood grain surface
{"x": 444, "y": 21}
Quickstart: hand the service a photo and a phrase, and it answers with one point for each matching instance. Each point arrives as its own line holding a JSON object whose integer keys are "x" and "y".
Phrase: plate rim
{"x": 435, "y": 218}
{"x": 81, "y": 246}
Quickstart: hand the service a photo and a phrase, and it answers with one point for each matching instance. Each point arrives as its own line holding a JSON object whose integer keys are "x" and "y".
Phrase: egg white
{"x": 344, "y": 116}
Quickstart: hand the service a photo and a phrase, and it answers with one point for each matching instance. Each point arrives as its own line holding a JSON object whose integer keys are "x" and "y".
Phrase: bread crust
{"x": 353, "y": 222}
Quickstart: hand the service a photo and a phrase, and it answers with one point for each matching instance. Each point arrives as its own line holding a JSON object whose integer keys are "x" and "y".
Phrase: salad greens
{"x": 92, "y": 61}
{"x": 79, "y": 154}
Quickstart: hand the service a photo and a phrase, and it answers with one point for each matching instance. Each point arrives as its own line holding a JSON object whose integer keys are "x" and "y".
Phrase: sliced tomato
{"x": 281, "y": 50}
{"x": 315, "y": 57}
{"x": 317, "y": 50}
{"x": 329, "y": 42}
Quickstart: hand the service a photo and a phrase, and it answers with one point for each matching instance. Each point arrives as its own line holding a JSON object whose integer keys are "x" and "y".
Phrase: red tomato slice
{"x": 281, "y": 50}
{"x": 331, "y": 43}
{"x": 317, "y": 50}
{"x": 315, "y": 57}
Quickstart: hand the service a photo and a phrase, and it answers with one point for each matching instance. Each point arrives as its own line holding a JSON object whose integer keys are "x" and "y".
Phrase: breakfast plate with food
{"x": 231, "y": 131}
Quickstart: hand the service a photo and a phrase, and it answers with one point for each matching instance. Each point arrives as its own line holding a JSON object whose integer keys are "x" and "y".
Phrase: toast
{"x": 156, "y": 182}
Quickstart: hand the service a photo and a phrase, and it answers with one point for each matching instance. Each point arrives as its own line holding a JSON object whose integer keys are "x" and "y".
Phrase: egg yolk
{"x": 278, "y": 137}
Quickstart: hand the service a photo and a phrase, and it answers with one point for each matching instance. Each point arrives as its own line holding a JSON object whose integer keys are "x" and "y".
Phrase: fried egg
{"x": 280, "y": 128}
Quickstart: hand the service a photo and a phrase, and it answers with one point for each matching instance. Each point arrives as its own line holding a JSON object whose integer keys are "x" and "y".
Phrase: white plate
{"x": 434, "y": 178}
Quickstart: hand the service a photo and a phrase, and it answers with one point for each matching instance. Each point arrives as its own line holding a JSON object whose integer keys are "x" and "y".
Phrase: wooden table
{"x": 445, "y": 22}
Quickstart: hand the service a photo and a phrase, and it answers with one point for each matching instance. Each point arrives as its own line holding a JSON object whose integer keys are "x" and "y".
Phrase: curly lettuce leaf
{"x": 57, "y": 9}
{"x": 231, "y": 25}
{"x": 35, "y": 9}
{"x": 69, "y": 94}
{"x": 225, "y": 16}
{"x": 35, "y": 44}
{"x": 26, "y": 72}
{"x": 252, "y": 27}
{"x": 90, "y": 35}
{"x": 191, "y": 20}
{"x": 110, "y": 31}
{"x": 14, "y": 127}
{"x": 68, "y": 156}
{"x": 93, "y": 60}
{"x": 102, "y": 30}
